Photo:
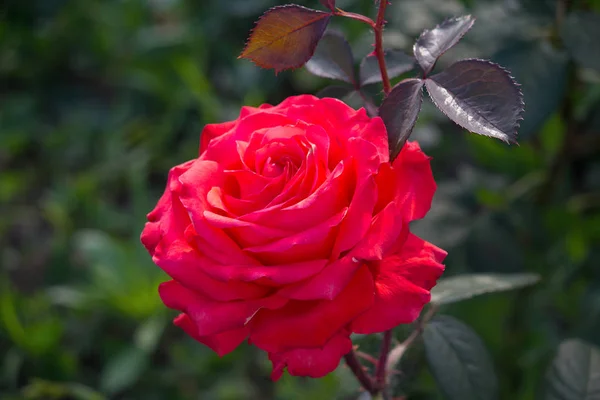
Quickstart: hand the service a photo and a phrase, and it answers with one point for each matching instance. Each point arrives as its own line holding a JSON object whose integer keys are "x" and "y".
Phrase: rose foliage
{"x": 291, "y": 230}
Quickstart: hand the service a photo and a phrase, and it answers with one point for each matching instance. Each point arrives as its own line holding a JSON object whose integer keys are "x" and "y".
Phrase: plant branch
{"x": 377, "y": 27}
{"x": 366, "y": 357}
{"x": 379, "y": 46}
{"x": 383, "y": 356}
{"x": 358, "y": 17}
{"x": 380, "y": 372}
{"x": 358, "y": 370}
{"x": 399, "y": 350}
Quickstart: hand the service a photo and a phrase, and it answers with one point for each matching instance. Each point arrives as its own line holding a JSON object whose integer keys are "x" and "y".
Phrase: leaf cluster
{"x": 478, "y": 95}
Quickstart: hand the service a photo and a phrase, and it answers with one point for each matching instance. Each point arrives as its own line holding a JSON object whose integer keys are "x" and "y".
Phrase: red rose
{"x": 291, "y": 230}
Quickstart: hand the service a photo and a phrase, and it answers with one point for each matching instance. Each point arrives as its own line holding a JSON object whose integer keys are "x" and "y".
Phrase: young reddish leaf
{"x": 285, "y": 37}
{"x": 433, "y": 43}
{"x": 329, "y": 4}
{"x": 399, "y": 112}
{"x": 479, "y": 96}
{"x": 333, "y": 59}
{"x": 396, "y": 61}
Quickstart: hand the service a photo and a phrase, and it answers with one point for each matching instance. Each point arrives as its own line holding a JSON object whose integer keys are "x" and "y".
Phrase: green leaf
{"x": 574, "y": 373}
{"x": 580, "y": 34}
{"x": 147, "y": 335}
{"x": 459, "y": 360}
{"x": 462, "y": 287}
{"x": 285, "y": 37}
{"x": 123, "y": 370}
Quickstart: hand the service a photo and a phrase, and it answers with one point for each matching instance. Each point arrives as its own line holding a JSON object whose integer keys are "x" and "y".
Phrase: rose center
{"x": 277, "y": 166}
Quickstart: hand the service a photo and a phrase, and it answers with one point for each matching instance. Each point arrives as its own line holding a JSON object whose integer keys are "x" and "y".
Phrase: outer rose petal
{"x": 313, "y": 362}
{"x": 184, "y": 264}
{"x": 165, "y": 218}
{"x": 212, "y": 317}
{"x": 302, "y": 324}
{"x": 416, "y": 185}
{"x": 402, "y": 284}
{"x": 221, "y": 343}
{"x": 386, "y": 230}
{"x": 212, "y": 131}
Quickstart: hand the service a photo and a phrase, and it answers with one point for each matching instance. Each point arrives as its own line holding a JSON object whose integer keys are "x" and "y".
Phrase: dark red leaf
{"x": 329, "y": 4}
{"x": 335, "y": 91}
{"x": 433, "y": 43}
{"x": 479, "y": 96}
{"x": 285, "y": 37}
{"x": 333, "y": 58}
{"x": 396, "y": 61}
{"x": 399, "y": 112}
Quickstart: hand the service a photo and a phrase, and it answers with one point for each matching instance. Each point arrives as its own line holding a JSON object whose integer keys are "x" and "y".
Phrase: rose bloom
{"x": 291, "y": 230}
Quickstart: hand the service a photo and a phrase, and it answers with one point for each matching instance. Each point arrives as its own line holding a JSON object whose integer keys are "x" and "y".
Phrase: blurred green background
{"x": 99, "y": 98}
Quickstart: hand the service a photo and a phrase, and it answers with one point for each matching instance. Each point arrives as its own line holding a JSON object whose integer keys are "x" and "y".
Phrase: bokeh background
{"x": 99, "y": 98}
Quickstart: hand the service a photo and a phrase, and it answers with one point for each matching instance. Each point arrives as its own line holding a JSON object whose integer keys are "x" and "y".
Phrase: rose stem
{"x": 362, "y": 18}
{"x": 380, "y": 372}
{"x": 358, "y": 370}
{"x": 379, "y": 46}
{"x": 378, "y": 30}
{"x": 397, "y": 352}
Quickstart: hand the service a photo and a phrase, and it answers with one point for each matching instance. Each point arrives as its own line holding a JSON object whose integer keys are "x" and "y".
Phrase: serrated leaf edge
{"x": 513, "y": 81}
{"x": 426, "y": 31}
{"x": 270, "y": 10}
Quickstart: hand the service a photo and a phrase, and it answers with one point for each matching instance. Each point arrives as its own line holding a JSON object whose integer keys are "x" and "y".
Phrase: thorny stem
{"x": 378, "y": 30}
{"x": 379, "y": 46}
{"x": 358, "y": 370}
{"x": 358, "y": 17}
{"x": 381, "y": 372}
{"x": 387, "y": 359}
{"x": 399, "y": 350}
{"x": 383, "y": 355}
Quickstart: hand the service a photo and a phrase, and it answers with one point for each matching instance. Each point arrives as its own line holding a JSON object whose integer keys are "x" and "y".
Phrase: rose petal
{"x": 276, "y": 274}
{"x": 416, "y": 185}
{"x": 212, "y": 131}
{"x": 312, "y": 323}
{"x": 324, "y": 285}
{"x": 313, "y": 362}
{"x": 340, "y": 121}
{"x": 313, "y": 243}
{"x": 386, "y": 230}
{"x": 184, "y": 264}
{"x": 221, "y": 343}
{"x": 209, "y": 316}
{"x": 326, "y": 201}
{"x": 163, "y": 219}
{"x": 246, "y": 234}
{"x": 402, "y": 284}
{"x": 358, "y": 219}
